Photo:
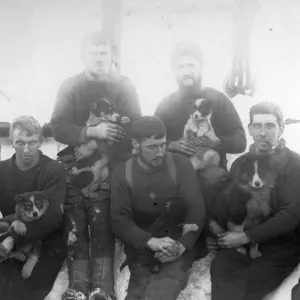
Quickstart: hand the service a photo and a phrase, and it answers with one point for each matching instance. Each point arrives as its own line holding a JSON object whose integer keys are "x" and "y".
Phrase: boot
{"x": 79, "y": 280}
{"x": 102, "y": 279}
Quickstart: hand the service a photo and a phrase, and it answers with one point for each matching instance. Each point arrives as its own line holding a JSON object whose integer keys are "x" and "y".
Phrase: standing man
{"x": 227, "y": 136}
{"x": 234, "y": 275}
{"x": 156, "y": 200}
{"x": 30, "y": 170}
{"x": 92, "y": 268}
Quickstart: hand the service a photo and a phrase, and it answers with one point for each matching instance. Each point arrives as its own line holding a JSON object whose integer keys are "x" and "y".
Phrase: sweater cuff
{"x": 144, "y": 243}
{"x": 188, "y": 240}
{"x": 250, "y": 237}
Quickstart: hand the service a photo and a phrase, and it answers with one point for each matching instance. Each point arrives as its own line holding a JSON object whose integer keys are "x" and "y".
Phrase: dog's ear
{"x": 43, "y": 195}
{"x": 19, "y": 199}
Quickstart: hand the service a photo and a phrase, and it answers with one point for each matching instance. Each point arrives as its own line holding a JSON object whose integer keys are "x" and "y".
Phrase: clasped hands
{"x": 166, "y": 249}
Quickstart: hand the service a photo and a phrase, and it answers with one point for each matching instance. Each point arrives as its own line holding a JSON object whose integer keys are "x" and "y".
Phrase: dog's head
{"x": 255, "y": 173}
{"x": 31, "y": 206}
{"x": 105, "y": 110}
{"x": 200, "y": 109}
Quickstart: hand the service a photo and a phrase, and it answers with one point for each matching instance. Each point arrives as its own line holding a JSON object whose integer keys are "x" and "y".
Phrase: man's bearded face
{"x": 187, "y": 70}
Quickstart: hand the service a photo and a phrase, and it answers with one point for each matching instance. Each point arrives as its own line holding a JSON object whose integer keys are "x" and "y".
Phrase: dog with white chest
{"x": 30, "y": 207}
{"x": 244, "y": 201}
{"x": 199, "y": 126}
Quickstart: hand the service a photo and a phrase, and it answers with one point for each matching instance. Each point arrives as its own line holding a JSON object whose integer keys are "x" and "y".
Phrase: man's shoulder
{"x": 293, "y": 159}
{"x": 181, "y": 160}
{"x": 166, "y": 103}
{"x": 5, "y": 164}
{"x": 213, "y": 94}
{"x": 51, "y": 165}
{"x": 71, "y": 82}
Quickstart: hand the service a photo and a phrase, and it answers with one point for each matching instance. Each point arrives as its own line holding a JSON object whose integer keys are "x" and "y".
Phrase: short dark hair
{"x": 26, "y": 123}
{"x": 148, "y": 127}
{"x": 267, "y": 108}
{"x": 186, "y": 48}
{"x": 96, "y": 38}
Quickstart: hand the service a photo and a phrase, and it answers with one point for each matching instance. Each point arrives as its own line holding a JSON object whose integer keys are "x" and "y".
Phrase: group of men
{"x": 159, "y": 181}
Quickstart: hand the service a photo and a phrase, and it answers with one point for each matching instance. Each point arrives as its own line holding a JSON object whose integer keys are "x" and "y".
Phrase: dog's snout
{"x": 35, "y": 213}
{"x": 257, "y": 183}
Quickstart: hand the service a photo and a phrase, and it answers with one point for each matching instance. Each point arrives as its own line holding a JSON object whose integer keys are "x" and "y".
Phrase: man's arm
{"x": 55, "y": 188}
{"x": 190, "y": 192}
{"x": 62, "y": 122}
{"x": 234, "y": 140}
{"x": 121, "y": 213}
{"x": 129, "y": 104}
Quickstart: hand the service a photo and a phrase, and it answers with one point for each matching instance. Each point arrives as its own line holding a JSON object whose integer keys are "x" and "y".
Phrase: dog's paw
{"x": 26, "y": 271}
{"x": 18, "y": 256}
{"x": 189, "y": 228}
{"x": 254, "y": 252}
{"x": 18, "y": 227}
{"x": 242, "y": 250}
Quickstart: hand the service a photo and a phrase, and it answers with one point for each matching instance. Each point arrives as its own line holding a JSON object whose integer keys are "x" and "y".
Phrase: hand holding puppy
{"x": 182, "y": 146}
{"x": 106, "y": 131}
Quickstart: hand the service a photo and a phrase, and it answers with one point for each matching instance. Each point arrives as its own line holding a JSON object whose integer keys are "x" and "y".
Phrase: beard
{"x": 189, "y": 83}
{"x": 153, "y": 163}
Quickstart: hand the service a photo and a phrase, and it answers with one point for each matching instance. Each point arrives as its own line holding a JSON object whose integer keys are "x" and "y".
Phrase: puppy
{"x": 101, "y": 111}
{"x": 29, "y": 207}
{"x": 243, "y": 203}
{"x": 197, "y": 126}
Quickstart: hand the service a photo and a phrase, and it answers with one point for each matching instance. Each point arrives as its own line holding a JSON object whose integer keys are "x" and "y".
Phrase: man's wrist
{"x": 90, "y": 132}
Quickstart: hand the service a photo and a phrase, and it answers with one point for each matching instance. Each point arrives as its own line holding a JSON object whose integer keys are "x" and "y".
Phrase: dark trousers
{"x": 90, "y": 243}
{"x": 171, "y": 279}
{"x": 236, "y": 276}
{"x": 209, "y": 179}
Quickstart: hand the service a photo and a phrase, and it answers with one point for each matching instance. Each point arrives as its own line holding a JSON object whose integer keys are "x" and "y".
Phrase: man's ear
{"x": 135, "y": 144}
{"x": 281, "y": 129}
{"x": 250, "y": 129}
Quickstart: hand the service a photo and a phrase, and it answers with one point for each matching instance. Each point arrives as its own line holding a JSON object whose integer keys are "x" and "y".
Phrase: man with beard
{"x": 90, "y": 250}
{"x": 234, "y": 275}
{"x": 157, "y": 211}
{"x": 227, "y": 136}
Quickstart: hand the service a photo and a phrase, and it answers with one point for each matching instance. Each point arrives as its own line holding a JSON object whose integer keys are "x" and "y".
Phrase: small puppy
{"x": 243, "y": 203}
{"x": 197, "y": 126}
{"x": 101, "y": 111}
{"x": 30, "y": 206}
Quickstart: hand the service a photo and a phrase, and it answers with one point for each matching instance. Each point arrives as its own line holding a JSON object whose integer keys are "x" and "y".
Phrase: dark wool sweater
{"x": 49, "y": 176}
{"x": 134, "y": 210}
{"x": 74, "y": 101}
{"x": 285, "y": 218}
{"x": 174, "y": 111}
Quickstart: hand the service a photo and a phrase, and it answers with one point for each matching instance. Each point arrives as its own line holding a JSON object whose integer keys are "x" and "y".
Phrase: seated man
{"x": 30, "y": 170}
{"x": 234, "y": 275}
{"x": 155, "y": 198}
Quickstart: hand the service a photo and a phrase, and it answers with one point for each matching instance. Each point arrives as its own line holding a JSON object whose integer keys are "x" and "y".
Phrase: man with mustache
{"x": 234, "y": 275}
{"x": 227, "y": 136}
{"x": 157, "y": 211}
{"x": 90, "y": 251}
